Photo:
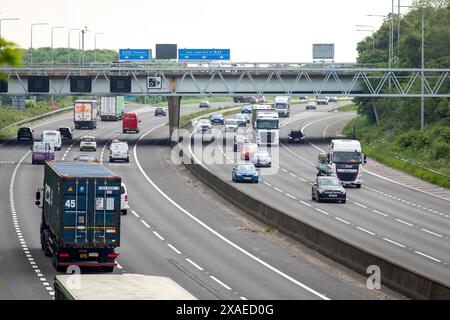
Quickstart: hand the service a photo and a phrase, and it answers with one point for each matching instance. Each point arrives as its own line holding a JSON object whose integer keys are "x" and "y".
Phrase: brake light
{"x": 126, "y": 197}
{"x": 112, "y": 255}
{"x": 63, "y": 255}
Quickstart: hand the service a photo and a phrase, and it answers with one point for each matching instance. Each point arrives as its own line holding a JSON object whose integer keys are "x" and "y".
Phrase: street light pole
{"x": 422, "y": 98}
{"x": 57, "y": 27}
{"x": 83, "y": 31}
{"x": 95, "y": 46}
{"x": 31, "y": 43}
{"x": 373, "y": 32}
{"x": 4, "y": 20}
{"x": 68, "y": 44}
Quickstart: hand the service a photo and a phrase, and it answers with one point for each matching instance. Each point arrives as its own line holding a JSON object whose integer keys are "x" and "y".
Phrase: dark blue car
{"x": 245, "y": 172}
{"x": 246, "y": 109}
{"x": 217, "y": 119}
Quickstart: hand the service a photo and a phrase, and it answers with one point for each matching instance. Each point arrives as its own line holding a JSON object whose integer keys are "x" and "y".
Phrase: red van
{"x": 130, "y": 122}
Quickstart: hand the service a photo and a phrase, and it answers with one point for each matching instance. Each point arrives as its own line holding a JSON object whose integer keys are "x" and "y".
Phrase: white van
{"x": 53, "y": 137}
{"x": 119, "y": 150}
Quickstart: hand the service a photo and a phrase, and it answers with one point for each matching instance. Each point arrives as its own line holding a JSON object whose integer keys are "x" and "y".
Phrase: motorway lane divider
{"x": 408, "y": 282}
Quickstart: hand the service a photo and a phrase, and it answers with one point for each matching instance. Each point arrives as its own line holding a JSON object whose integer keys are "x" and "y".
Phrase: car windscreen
{"x": 231, "y": 121}
{"x": 119, "y": 146}
{"x": 296, "y": 134}
{"x": 329, "y": 182}
{"x": 246, "y": 167}
{"x": 267, "y": 124}
{"x": 350, "y": 157}
{"x": 50, "y": 134}
{"x": 280, "y": 106}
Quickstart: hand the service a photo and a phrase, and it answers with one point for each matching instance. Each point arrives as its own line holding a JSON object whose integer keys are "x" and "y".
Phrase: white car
{"x": 262, "y": 159}
{"x": 119, "y": 150}
{"x": 231, "y": 125}
{"x": 53, "y": 137}
{"x": 239, "y": 142}
{"x": 88, "y": 142}
{"x": 204, "y": 126}
{"x": 124, "y": 199}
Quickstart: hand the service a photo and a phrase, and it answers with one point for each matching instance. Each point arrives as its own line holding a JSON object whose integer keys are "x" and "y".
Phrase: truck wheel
{"x": 44, "y": 240}
{"x": 108, "y": 269}
{"x": 124, "y": 212}
{"x": 55, "y": 264}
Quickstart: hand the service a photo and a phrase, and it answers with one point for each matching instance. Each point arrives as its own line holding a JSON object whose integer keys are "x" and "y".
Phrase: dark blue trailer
{"x": 80, "y": 215}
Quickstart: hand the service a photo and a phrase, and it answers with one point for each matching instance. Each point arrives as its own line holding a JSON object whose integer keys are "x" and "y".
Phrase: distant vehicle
{"x": 204, "y": 104}
{"x": 303, "y": 97}
{"x": 80, "y": 215}
{"x": 85, "y": 158}
{"x": 204, "y": 126}
{"x": 249, "y": 151}
{"x": 239, "y": 141}
{"x": 263, "y": 159}
{"x": 346, "y": 160}
{"x": 260, "y": 99}
{"x": 85, "y": 114}
{"x": 160, "y": 112}
{"x": 119, "y": 287}
{"x": 241, "y": 120}
{"x": 88, "y": 142}
{"x": 118, "y": 150}
{"x": 245, "y": 172}
{"x": 296, "y": 136}
{"x": 323, "y": 100}
{"x": 25, "y": 133}
{"x": 41, "y": 151}
{"x": 124, "y": 199}
{"x": 333, "y": 99}
{"x": 244, "y": 99}
{"x": 328, "y": 188}
{"x": 111, "y": 108}
{"x": 246, "y": 109}
{"x": 52, "y": 136}
{"x": 311, "y": 105}
{"x": 66, "y": 133}
{"x": 265, "y": 122}
{"x": 217, "y": 118}
{"x": 247, "y": 117}
{"x": 283, "y": 106}
{"x": 231, "y": 125}
{"x": 130, "y": 122}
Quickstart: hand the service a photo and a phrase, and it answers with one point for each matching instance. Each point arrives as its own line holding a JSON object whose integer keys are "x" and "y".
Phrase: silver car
{"x": 263, "y": 159}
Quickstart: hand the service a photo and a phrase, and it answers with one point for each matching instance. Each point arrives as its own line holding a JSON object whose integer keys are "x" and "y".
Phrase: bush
{"x": 415, "y": 140}
{"x": 446, "y": 135}
{"x": 441, "y": 150}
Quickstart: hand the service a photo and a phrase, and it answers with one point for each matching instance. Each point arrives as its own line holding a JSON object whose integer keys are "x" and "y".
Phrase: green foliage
{"x": 414, "y": 140}
{"x": 62, "y": 55}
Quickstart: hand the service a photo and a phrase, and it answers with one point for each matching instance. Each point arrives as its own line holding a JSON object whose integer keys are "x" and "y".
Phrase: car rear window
{"x": 88, "y": 139}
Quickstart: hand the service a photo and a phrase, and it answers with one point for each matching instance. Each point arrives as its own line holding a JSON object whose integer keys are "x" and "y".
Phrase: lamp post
{"x": 57, "y": 27}
{"x": 31, "y": 42}
{"x": 4, "y": 19}
{"x": 95, "y": 46}
{"x": 372, "y": 31}
{"x": 68, "y": 44}
{"x": 82, "y": 32}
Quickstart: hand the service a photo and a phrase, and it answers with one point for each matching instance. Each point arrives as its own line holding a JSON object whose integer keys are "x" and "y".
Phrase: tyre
{"x": 343, "y": 201}
{"x": 45, "y": 236}
{"x": 124, "y": 131}
{"x": 358, "y": 185}
{"x": 95, "y": 149}
{"x": 127, "y": 160}
{"x": 55, "y": 264}
{"x": 33, "y": 162}
{"x": 124, "y": 212}
{"x": 108, "y": 269}
{"x": 110, "y": 159}
{"x": 312, "y": 197}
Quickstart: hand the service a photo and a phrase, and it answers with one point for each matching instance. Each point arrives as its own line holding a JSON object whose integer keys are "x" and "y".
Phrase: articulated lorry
{"x": 111, "y": 108}
{"x": 85, "y": 114}
{"x": 118, "y": 287}
{"x": 266, "y": 125}
{"x": 80, "y": 215}
{"x": 344, "y": 159}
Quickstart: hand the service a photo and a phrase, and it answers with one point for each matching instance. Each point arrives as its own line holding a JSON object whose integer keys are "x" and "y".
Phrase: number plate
{"x": 83, "y": 255}
{"x": 93, "y": 254}
{"x": 332, "y": 195}
{"x": 247, "y": 178}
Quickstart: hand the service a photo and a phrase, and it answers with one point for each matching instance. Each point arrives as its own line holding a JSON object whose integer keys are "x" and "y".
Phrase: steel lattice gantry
{"x": 268, "y": 80}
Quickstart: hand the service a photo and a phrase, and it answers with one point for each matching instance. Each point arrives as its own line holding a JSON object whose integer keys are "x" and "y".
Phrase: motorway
{"x": 175, "y": 228}
{"x": 408, "y": 226}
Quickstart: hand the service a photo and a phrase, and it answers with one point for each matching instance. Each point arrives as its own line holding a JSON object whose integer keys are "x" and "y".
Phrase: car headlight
{"x": 320, "y": 190}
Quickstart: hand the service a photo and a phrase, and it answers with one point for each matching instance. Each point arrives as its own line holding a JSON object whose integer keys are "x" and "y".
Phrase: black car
{"x": 328, "y": 189}
{"x": 160, "y": 112}
{"x": 25, "y": 133}
{"x": 66, "y": 133}
{"x": 296, "y": 136}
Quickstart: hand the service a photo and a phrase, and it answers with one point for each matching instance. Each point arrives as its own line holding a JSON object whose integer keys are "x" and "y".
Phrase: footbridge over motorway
{"x": 175, "y": 81}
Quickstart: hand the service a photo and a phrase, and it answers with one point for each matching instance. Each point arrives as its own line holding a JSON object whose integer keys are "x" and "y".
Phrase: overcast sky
{"x": 254, "y": 30}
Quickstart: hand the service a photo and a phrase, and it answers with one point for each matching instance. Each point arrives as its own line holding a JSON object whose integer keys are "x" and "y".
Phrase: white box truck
{"x": 85, "y": 114}
{"x": 111, "y": 108}
{"x": 283, "y": 106}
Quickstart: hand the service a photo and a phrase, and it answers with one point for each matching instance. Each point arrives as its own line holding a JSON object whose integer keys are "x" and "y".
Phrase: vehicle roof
{"x": 88, "y": 137}
{"x": 345, "y": 144}
{"x": 81, "y": 101}
{"x": 123, "y": 287}
{"x": 50, "y": 131}
{"x": 81, "y": 169}
{"x": 25, "y": 128}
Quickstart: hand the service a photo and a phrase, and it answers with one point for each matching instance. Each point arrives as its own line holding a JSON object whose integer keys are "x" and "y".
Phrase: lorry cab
{"x": 130, "y": 122}
{"x": 52, "y": 136}
{"x": 282, "y": 105}
{"x": 41, "y": 151}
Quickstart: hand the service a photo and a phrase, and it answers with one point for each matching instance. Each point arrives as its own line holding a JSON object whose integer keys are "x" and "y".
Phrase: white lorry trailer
{"x": 111, "y": 108}
{"x": 85, "y": 114}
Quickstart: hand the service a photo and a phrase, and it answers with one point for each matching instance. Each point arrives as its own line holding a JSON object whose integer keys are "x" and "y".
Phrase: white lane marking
{"x": 324, "y": 212}
{"x": 266, "y": 183}
{"x": 243, "y": 298}
{"x": 427, "y": 256}
{"x": 393, "y": 242}
{"x": 173, "y": 248}
{"x": 293, "y": 174}
{"x": 220, "y": 282}
{"x": 279, "y": 190}
{"x": 145, "y": 224}
{"x": 158, "y": 235}
{"x": 380, "y": 213}
{"x": 201, "y": 223}
{"x": 134, "y": 212}
{"x": 284, "y": 170}
{"x": 431, "y": 232}
{"x": 305, "y": 203}
{"x": 359, "y": 204}
{"x": 404, "y": 222}
{"x": 194, "y": 264}
{"x": 366, "y": 231}
{"x": 342, "y": 220}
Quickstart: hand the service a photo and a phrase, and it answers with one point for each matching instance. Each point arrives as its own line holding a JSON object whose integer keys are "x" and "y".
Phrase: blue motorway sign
{"x": 203, "y": 54}
{"x": 135, "y": 54}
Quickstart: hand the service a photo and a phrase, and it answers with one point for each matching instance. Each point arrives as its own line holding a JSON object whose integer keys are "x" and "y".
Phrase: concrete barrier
{"x": 394, "y": 276}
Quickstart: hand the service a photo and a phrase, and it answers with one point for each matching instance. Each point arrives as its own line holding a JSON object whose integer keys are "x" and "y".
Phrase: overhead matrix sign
{"x": 324, "y": 51}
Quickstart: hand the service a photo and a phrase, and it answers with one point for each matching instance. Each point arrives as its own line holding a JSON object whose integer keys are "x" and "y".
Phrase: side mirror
{"x": 38, "y": 195}
{"x": 365, "y": 158}
{"x": 140, "y": 121}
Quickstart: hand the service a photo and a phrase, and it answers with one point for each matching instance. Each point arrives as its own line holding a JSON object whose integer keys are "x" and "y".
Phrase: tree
{"x": 9, "y": 53}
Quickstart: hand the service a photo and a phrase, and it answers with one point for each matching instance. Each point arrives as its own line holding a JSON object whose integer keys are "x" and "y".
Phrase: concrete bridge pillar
{"x": 174, "y": 113}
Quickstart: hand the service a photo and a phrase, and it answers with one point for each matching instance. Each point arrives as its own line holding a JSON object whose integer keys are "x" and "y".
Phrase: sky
{"x": 254, "y": 30}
